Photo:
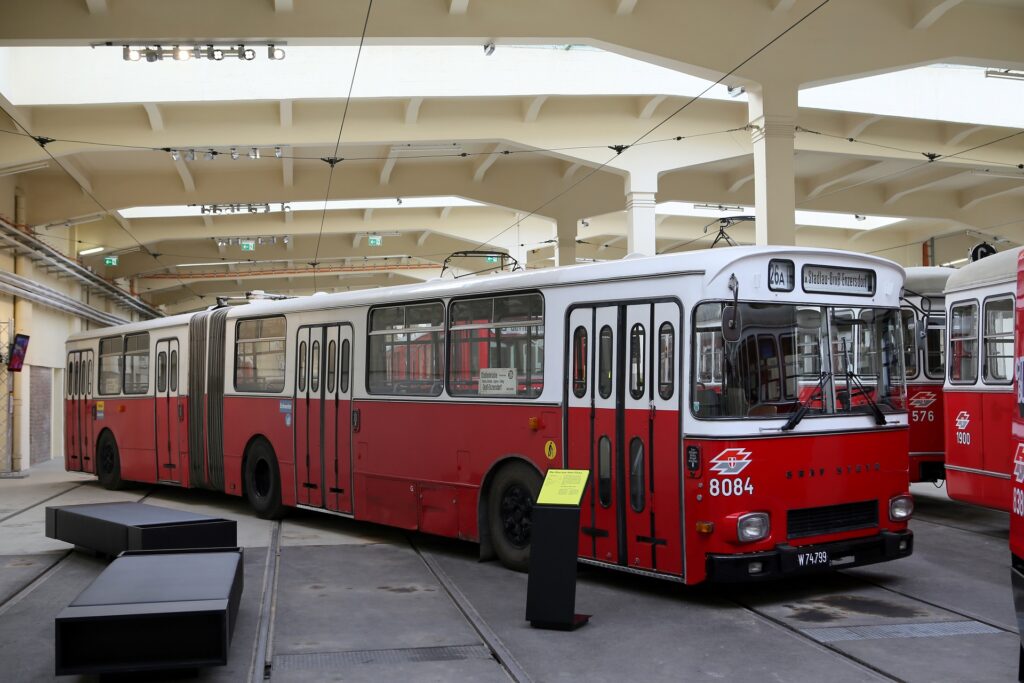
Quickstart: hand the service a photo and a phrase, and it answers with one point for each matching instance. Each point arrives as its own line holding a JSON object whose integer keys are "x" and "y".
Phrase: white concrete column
{"x": 773, "y": 110}
{"x": 640, "y": 223}
{"x": 565, "y": 241}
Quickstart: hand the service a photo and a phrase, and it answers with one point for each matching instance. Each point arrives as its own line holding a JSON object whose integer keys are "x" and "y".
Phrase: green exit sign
{"x": 248, "y": 245}
{"x": 375, "y": 240}
{"x": 492, "y": 259}
{"x": 110, "y": 260}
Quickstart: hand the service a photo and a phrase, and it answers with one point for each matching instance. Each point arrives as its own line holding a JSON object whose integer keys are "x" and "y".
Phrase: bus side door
{"x": 309, "y": 400}
{"x": 72, "y": 422}
{"x": 338, "y": 419}
{"x": 168, "y": 449}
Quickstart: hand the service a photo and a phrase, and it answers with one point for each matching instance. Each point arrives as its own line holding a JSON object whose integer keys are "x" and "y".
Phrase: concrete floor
{"x": 359, "y": 602}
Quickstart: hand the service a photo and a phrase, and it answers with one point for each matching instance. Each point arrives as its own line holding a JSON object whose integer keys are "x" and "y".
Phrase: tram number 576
{"x": 922, "y": 415}
{"x": 730, "y": 487}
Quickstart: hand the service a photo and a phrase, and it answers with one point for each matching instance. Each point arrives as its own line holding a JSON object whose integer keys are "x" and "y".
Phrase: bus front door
{"x": 169, "y": 413}
{"x": 338, "y": 420}
{"x": 79, "y": 416}
{"x": 623, "y": 425}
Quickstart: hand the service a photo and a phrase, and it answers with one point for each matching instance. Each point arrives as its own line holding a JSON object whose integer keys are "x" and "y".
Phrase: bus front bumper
{"x": 787, "y": 560}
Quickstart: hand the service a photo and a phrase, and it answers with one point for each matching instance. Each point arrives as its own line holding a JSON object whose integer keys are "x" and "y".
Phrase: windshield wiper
{"x": 851, "y": 376}
{"x": 795, "y": 418}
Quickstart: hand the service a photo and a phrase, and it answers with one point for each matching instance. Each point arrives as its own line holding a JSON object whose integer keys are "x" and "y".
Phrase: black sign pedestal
{"x": 551, "y": 591}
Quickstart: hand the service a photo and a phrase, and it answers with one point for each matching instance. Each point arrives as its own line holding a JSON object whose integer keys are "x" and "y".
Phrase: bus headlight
{"x": 752, "y": 526}
{"x": 901, "y": 508}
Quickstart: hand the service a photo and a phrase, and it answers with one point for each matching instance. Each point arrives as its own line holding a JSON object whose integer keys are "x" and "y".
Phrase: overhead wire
{"x": 619, "y": 149}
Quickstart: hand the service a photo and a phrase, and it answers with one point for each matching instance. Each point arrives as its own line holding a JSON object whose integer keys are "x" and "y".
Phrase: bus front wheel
{"x": 509, "y": 512}
{"x": 108, "y": 463}
{"x": 263, "y": 481}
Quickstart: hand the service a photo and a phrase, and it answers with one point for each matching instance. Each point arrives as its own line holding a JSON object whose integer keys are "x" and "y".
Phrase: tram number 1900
{"x": 737, "y": 486}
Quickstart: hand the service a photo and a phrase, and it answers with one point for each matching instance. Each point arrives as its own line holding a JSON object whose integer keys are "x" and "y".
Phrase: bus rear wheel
{"x": 509, "y": 513}
{"x": 108, "y": 463}
{"x": 263, "y": 481}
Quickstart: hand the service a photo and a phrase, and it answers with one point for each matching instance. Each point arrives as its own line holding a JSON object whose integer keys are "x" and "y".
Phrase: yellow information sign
{"x": 563, "y": 487}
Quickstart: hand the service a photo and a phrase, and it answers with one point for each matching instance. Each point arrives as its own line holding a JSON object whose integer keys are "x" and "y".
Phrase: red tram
{"x": 979, "y": 381}
{"x": 742, "y": 411}
{"x": 924, "y": 343}
{"x": 1017, "y": 472}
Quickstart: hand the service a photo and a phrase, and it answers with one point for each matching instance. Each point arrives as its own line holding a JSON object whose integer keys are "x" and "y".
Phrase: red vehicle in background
{"x": 979, "y": 382}
{"x": 1017, "y": 473}
{"x": 924, "y": 345}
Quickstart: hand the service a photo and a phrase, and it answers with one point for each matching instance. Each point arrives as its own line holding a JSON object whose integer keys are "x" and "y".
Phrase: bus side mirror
{"x": 730, "y": 324}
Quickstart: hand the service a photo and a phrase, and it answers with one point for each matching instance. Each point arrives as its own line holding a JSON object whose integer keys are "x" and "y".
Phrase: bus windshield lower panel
{"x": 833, "y": 360}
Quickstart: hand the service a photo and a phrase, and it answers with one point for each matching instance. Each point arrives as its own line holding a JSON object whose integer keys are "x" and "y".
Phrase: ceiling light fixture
{"x": 999, "y": 174}
{"x": 175, "y": 155}
{"x": 254, "y": 153}
{"x": 277, "y": 152}
{"x": 858, "y": 217}
{"x": 252, "y": 207}
{"x": 209, "y": 155}
{"x": 718, "y": 207}
{"x": 91, "y": 250}
{"x": 190, "y": 155}
{"x": 1010, "y": 74}
{"x": 156, "y": 53}
{"x": 489, "y": 48}
{"x": 234, "y": 154}
{"x": 735, "y": 90}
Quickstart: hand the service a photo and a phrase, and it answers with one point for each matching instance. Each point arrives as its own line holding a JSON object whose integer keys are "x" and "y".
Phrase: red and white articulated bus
{"x": 924, "y": 339}
{"x": 710, "y": 394}
{"x": 978, "y": 392}
{"x": 1017, "y": 473}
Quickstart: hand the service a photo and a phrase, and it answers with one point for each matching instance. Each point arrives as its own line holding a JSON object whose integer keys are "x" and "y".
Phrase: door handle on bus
{"x": 94, "y": 411}
{"x": 181, "y": 413}
{"x": 355, "y": 421}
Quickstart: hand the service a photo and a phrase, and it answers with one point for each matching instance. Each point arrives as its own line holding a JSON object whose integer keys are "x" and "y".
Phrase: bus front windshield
{"x": 828, "y": 360}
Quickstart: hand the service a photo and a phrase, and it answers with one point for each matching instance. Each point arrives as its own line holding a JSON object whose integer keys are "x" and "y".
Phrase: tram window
{"x": 935, "y": 347}
{"x": 604, "y": 362}
{"x": 504, "y": 335}
{"x": 136, "y": 363}
{"x": 332, "y": 366}
{"x": 604, "y": 471}
{"x": 636, "y": 475}
{"x": 302, "y": 366}
{"x": 88, "y": 377}
{"x": 260, "y": 354}
{"x": 637, "y": 361}
{"x": 999, "y": 341}
{"x": 173, "y": 370}
{"x": 346, "y": 361}
{"x": 161, "y": 371}
{"x": 666, "y": 361}
{"x": 963, "y": 343}
{"x": 314, "y": 367}
{"x": 909, "y": 320}
{"x": 110, "y": 365}
{"x": 406, "y": 350}
{"x": 71, "y": 376}
{"x": 579, "y": 362}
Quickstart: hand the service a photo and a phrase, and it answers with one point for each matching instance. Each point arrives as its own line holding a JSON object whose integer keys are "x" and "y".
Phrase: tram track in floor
{"x": 59, "y": 561}
{"x": 1002, "y": 536}
{"x": 261, "y": 664}
{"x": 499, "y": 651}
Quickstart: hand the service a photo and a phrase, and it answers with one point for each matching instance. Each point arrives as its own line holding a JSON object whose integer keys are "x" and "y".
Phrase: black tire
{"x": 509, "y": 508}
{"x": 108, "y": 463}
{"x": 263, "y": 481}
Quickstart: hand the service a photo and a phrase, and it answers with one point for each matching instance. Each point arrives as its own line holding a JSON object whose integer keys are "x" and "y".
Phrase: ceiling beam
{"x": 75, "y": 172}
{"x": 356, "y": 239}
{"x": 531, "y": 108}
{"x": 422, "y": 239}
{"x": 927, "y": 12}
{"x": 856, "y": 124}
{"x": 367, "y": 214}
{"x": 287, "y": 169}
{"x": 285, "y": 113}
{"x": 156, "y": 119}
{"x": 388, "y": 167}
{"x": 458, "y": 6}
{"x": 187, "y": 181}
{"x": 624, "y": 7}
{"x": 962, "y": 134}
{"x": 738, "y": 179}
{"x": 412, "y": 110}
{"x": 445, "y": 212}
{"x": 899, "y": 189}
{"x": 284, "y": 5}
{"x": 975, "y": 195}
{"x": 819, "y": 183}
{"x": 781, "y": 5}
{"x": 96, "y": 6}
{"x": 570, "y": 171}
{"x": 649, "y": 104}
{"x": 289, "y": 242}
{"x": 481, "y": 168}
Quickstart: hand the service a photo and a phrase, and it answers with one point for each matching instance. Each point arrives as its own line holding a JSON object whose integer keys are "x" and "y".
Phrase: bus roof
{"x": 711, "y": 261}
{"x": 995, "y": 269}
{"x": 927, "y": 280}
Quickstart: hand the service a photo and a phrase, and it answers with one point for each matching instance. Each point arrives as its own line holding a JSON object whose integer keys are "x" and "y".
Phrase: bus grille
{"x": 831, "y": 519}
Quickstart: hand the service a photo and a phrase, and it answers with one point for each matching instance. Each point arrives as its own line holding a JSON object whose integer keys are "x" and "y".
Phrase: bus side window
{"x": 604, "y": 365}
{"x": 161, "y": 371}
{"x": 579, "y": 362}
{"x": 963, "y": 343}
{"x": 173, "y": 370}
{"x": 345, "y": 366}
{"x": 637, "y": 361}
{"x": 302, "y": 366}
{"x": 332, "y": 366}
{"x": 999, "y": 341}
{"x": 910, "y": 340}
{"x": 604, "y": 471}
{"x": 314, "y": 367}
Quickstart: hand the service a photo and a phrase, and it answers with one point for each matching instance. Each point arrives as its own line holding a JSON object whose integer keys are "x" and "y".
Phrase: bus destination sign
{"x": 830, "y": 280}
